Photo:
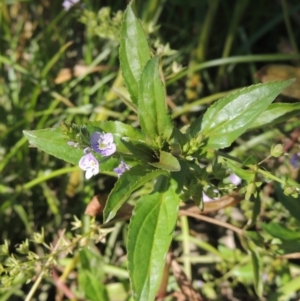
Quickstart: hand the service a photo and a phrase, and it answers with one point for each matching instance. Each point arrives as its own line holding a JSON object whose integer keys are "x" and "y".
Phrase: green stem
{"x": 235, "y": 60}
{"x": 205, "y": 100}
{"x": 53, "y": 174}
{"x": 40, "y": 277}
{"x": 186, "y": 246}
{"x": 288, "y": 26}
{"x": 206, "y": 30}
{"x": 237, "y": 14}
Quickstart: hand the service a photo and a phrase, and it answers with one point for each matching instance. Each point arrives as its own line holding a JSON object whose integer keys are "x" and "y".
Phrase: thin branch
{"x": 40, "y": 277}
{"x": 212, "y": 221}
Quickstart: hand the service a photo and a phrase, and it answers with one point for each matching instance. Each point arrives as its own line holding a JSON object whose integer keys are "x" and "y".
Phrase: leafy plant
{"x": 182, "y": 163}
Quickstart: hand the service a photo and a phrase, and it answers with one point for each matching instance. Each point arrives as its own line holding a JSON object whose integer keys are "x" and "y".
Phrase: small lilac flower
{"x": 103, "y": 143}
{"x": 234, "y": 179}
{"x": 294, "y": 161}
{"x": 67, "y": 4}
{"x": 121, "y": 168}
{"x": 89, "y": 164}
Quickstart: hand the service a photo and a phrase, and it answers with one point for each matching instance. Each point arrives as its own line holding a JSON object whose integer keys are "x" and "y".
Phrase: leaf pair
{"x": 141, "y": 75}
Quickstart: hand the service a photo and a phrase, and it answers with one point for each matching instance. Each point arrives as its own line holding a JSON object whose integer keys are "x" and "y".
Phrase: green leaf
{"x": 256, "y": 263}
{"x": 244, "y": 174}
{"x": 138, "y": 149}
{"x": 255, "y": 238}
{"x": 287, "y": 291}
{"x": 128, "y": 182}
{"x": 152, "y": 108}
{"x": 93, "y": 289}
{"x": 255, "y": 210}
{"x": 167, "y": 162}
{"x": 117, "y": 128}
{"x": 287, "y": 247}
{"x": 278, "y": 231}
{"x": 290, "y": 203}
{"x": 54, "y": 143}
{"x": 90, "y": 260}
{"x": 149, "y": 237}
{"x": 91, "y": 276}
{"x": 228, "y": 118}
{"x": 134, "y": 52}
{"x": 276, "y": 113}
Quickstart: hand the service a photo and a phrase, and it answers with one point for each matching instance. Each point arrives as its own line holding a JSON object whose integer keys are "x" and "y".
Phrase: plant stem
{"x": 212, "y": 221}
{"x": 40, "y": 277}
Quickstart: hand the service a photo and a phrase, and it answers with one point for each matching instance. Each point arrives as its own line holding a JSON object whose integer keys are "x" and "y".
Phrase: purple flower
{"x": 67, "y": 4}
{"x": 294, "y": 161}
{"x": 103, "y": 143}
{"x": 89, "y": 164}
{"x": 121, "y": 168}
{"x": 234, "y": 179}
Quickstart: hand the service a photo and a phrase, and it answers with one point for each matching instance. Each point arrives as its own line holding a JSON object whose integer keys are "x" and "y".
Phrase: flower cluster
{"x": 103, "y": 144}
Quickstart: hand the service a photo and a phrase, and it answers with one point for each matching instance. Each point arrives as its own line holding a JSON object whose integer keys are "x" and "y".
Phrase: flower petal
{"x": 89, "y": 173}
{"x": 89, "y": 164}
{"x": 108, "y": 138}
{"x": 121, "y": 168}
{"x": 109, "y": 151}
{"x": 103, "y": 143}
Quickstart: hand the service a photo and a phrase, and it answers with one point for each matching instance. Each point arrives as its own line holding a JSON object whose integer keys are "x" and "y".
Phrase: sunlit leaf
{"x": 232, "y": 115}
{"x": 54, "y": 143}
{"x": 152, "y": 109}
{"x": 128, "y": 182}
{"x": 149, "y": 237}
{"x": 167, "y": 161}
{"x": 134, "y": 52}
{"x": 276, "y": 113}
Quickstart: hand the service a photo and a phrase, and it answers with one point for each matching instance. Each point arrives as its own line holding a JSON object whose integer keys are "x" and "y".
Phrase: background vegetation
{"x": 62, "y": 65}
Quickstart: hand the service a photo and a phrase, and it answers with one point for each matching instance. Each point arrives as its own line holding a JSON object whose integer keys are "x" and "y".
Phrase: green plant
{"x": 183, "y": 164}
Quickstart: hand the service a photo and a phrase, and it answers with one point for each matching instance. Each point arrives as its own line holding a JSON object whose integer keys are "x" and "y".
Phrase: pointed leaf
{"x": 228, "y": 118}
{"x": 138, "y": 149}
{"x": 276, "y": 113}
{"x": 152, "y": 108}
{"x": 54, "y": 143}
{"x": 167, "y": 162}
{"x": 149, "y": 237}
{"x": 128, "y": 183}
{"x": 244, "y": 174}
{"x": 134, "y": 52}
{"x": 93, "y": 289}
{"x": 255, "y": 237}
{"x": 117, "y": 128}
{"x": 287, "y": 247}
{"x": 288, "y": 202}
{"x": 279, "y": 231}
{"x": 256, "y": 263}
